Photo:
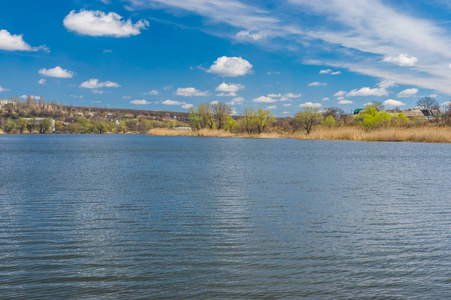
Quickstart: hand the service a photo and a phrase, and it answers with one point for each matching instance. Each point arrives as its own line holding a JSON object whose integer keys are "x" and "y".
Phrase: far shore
{"x": 421, "y": 135}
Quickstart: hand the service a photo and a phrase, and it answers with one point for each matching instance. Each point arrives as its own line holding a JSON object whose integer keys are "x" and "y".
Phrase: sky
{"x": 281, "y": 55}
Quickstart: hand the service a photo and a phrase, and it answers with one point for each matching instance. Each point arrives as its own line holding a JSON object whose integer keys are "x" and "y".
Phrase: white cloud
{"x": 167, "y": 87}
{"x": 41, "y": 81}
{"x": 366, "y": 91}
{"x": 325, "y": 99}
{"x": 272, "y": 107}
{"x": 329, "y": 71}
{"x": 97, "y": 92}
{"x": 407, "y": 93}
{"x": 126, "y": 97}
{"x": 152, "y": 92}
{"x": 264, "y": 99}
{"x": 393, "y": 103}
{"x": 275, "y": 95}
{"x": 251, "y": 35}
{"x": 107, "y": 51}
{"x": 15, "y": 42}
{"x": 345, "y": 102}
{"x": 94, "y": 83}
{"x": 2, "y": 89}
{"x": 187, "y": 106}
{"x": 236, "y": 101}
{"x": 289, "y": 96}
{"x": 105, "y": 1}
{"x": 447, "y": 103}
{"x": 340, "y": 94}
{"x": 340, "y": 98}
{"x": 385, "y": 84}
{"x": 230, "y": 66}
{"x": 403, "y": 60}
{"x": 57, "y": 72}
{"x": 316, "y": 83}
{"x": 310, "y": 104}
{"x": 189, "y": 92}
{"x": 286, "y": 104}
{"x": 140, "y": 102}
{"x": 172, "y": 102}
{"x": 434, "y": 95}
{"x": 97, "y": 23}
{"x": 229, "y": 89}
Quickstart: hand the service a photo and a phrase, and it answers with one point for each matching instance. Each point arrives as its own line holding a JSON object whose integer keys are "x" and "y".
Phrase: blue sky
{"x": 171, "y": 54}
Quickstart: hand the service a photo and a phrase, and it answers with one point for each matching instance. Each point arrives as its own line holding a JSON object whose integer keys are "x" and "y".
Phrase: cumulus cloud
{"x": 57, "y": 72}
{"x": 230, "y": 66}
{"x": 189, "y": 92}
{"x": 264, "y": 99}
{"x": 447, "y": 103}
{"x": 340, "y": 94}
{"x": 172, "y": 102}
{"x": 393, "y": 103}
{"x": 251, "y": 35}
{"x": 229, "y": 89}
{"x": 407, "y": 93}
{"x": 187, "y": 106}
{"x": 15, "y": 42}
{"x": 97, "y": 92}
{"x": 152, "y": 92}
{"x": 310, "y": 104}
{"x": 316, "y": 83}
{"x": 286, "y": 104}
{"x": 403, "y": 60}
{"x": 325, "y": 99}
{"x": 41, "y": 81}
{"x": 97, "y": 23}
{"x": 272, "y": 107}
{"x": 94, "y": 83}
{"x": 366, "y": 91}
{"x": 140, "y": 102}
{"x": 2, "y": 89}
{"x": 344, "y": 101}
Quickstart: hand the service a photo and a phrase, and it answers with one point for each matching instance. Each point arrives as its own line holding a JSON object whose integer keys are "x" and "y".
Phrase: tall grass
{"x": 423, "y": 134}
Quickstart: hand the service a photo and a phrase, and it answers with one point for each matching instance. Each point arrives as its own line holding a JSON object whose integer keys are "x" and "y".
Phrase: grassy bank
{"x": 423, "y": 134}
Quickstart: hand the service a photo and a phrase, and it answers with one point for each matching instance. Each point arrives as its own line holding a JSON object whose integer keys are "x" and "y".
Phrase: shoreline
{"x": 418, "y": 135}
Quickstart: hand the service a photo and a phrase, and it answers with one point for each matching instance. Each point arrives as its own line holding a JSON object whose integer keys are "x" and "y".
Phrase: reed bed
{"x": 422, "y": 135}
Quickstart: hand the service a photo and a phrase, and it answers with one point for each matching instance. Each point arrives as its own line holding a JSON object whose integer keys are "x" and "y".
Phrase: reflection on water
{"x": 138, "y": 216}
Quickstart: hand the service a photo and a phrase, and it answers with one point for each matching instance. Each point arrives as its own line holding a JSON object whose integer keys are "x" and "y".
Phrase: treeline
{"x": 219, "y": 116}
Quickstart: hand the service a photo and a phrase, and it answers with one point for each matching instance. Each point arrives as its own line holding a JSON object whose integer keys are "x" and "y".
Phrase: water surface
{"x": 131, "y": 216}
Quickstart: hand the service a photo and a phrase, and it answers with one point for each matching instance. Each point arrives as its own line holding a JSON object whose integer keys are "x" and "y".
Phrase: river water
{"x": 135, "y": 216}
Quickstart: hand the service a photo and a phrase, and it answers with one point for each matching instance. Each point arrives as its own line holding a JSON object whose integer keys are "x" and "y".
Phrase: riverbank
{"x": 421, "y": 135}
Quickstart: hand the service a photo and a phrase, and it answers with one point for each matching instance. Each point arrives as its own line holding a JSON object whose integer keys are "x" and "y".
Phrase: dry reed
{"x": 424, "y": 134}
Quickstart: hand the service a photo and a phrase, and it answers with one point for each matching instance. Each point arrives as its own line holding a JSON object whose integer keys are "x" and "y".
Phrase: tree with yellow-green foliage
{"x": 371, "y": 118}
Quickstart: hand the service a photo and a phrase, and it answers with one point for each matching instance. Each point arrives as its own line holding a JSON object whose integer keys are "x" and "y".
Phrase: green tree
{"x": 86, "y": 125}
{"x": 307, "y": 119}
{"x": 9, "y": 126}
{"x": 371, "y": 118}
{"x": 45, "y": 125}
{"x": 230, "y": 124}
{"x": 328, "y": 122}
{"x": 101, "y": 127}
{"x": 249, "y": 119}
{"x": 264, "y": 119}
{"x": 221, "y": 114}
{"x": 22, "y": 124}
{"x": 202, "y": 116}
{"x": 31, "y": 125}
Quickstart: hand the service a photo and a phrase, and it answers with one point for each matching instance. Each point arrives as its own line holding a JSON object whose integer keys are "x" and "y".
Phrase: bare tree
{"x": 428, "y": 102}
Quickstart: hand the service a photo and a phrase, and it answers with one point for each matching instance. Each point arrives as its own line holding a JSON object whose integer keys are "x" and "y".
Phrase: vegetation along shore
{"x": 424, "y": 123}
